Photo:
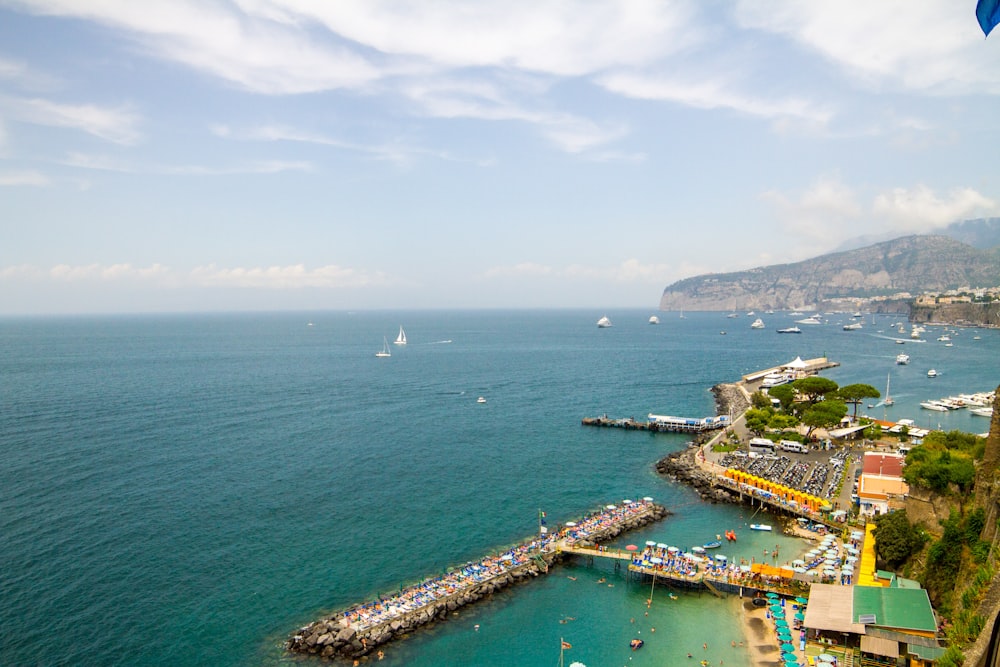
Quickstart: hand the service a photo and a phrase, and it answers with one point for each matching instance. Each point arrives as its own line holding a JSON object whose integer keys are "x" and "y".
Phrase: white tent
{"x": 796, "y": 364}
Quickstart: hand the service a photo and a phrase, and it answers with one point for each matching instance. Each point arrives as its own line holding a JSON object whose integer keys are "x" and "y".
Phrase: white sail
{"x": 401, "y": 338}
{"x": 384, "y": 352}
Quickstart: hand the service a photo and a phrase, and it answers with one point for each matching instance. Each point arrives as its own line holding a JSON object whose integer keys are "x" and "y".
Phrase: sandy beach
{"x": 759, "y": 635}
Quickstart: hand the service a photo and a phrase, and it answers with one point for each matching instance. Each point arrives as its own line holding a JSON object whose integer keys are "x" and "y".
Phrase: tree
{"x": 856, "y": 393}
{"x": 896, "y": 539}
{"x": 757, "y": 420}
{"x": 814, "y": 387}
{"x": 760, "y": 400}
{"x": 823, "y": 415}
{"x": 784, "y": 393}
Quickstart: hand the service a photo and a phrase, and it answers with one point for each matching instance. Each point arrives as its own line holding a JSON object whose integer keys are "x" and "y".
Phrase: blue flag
{"x": 988, "y": 13}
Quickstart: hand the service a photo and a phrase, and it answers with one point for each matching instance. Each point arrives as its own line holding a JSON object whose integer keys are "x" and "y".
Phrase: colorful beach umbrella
{"x": 802, "y": 600}
{"x": 789, "y": 656}
{"x": 784, "y": 637}
{"x": 791, "y": 663}
{"x": 772, "y": 595}
{"x": 781, "y": 623}
{"x": 631, "y": 547}
{"x": 787, "y": 648}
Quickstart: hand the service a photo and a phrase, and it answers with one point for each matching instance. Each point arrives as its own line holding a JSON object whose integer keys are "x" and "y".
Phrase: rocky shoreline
{"x": 681, "y": 466}
{"x": 334, "y": 637}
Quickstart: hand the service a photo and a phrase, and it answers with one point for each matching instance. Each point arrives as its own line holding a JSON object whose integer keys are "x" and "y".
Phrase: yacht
{"x": 812, "y": 319}
{"x": 902, "y": 358}
{"x": 604, "y": 322}
{"x": 757, "y": 324}
{"x": 982, "y": 412}
{"x": 790, "y": 330}
{"x": 853, "y": 326}
{"x": 935, "y": 406}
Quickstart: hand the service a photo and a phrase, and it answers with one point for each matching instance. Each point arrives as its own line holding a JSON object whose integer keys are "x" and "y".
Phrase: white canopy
{"x": 796, "y": 364}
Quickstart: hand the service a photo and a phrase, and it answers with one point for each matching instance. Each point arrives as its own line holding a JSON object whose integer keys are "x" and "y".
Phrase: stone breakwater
{"x": 365, "y": 628}
{"x": 682, "y": 467}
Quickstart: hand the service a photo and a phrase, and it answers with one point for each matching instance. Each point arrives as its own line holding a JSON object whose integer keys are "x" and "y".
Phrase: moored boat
{"x": 604, "y": 322}
{"x": 713, "y": 545}
{"x": 790, "y": 330}
{"x": 760, "y": 526}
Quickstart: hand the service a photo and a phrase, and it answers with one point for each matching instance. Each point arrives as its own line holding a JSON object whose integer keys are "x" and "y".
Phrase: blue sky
{"x": 191, "y": 155}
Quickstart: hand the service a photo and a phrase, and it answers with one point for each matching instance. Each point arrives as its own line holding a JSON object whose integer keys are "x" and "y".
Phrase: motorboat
{"x": 757, "y": 324}
{"x": 760, "y": 526}
{"x": 481, "y": 399}
{"x": 812, "y": 319}
{"x": 853, "y": 326}
{"x": 604, "y": 322}
{"x": 654, "y": 319}
{"x": 932, "y": 373}
{"x": 982, "y": 412}
{"x": 698, "y": 550}
{"x": 935, "y": 406}
{"x": 713, "y": 545}
{"x": 790, "y": 330}
{"x": 902, "y": 359}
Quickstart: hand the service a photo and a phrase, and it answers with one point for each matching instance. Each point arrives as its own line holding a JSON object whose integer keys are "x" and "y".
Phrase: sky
{"x": 213, "y": 155}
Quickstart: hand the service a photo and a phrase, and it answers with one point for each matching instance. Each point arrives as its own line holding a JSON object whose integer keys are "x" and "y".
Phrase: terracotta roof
{"x": 876, "y": 463}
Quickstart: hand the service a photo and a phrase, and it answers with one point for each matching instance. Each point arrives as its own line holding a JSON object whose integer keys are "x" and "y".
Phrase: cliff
{"x": 969, "y": 314}
{"x": 911, "y": 264}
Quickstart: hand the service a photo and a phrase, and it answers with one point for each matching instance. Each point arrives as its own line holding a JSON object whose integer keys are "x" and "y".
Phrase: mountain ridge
{"x": 906, "y": 265}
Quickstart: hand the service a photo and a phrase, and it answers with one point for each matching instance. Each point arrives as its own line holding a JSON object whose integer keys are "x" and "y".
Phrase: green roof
{"x": 901, "y": 608}
{"x": 903, "y": 582}
{"x": 925, "y": 652}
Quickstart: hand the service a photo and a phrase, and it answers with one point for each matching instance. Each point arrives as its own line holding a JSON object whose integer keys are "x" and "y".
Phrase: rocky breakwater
{"x": 362, "y": 629}
{"x": 682, "y": 467}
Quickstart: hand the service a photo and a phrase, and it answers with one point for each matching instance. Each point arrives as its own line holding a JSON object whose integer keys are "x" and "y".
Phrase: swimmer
{"x": 705, "y": 646}
{"x": 652, "y": 629}
{"x": 381, "y": 655}
{"x": 601, "y": 580}
{"x": 689, "y": 655}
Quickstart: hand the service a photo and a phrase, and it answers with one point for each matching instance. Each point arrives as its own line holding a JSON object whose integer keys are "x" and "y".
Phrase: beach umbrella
{"x": 799, "y": 570}
{"x": 781, "y": 623}
{"x": 631, "y": 547}
{"x": 661, "y": 545}
{"x": 577, "y": 664}
{"x": 610, "y": 507}
{"x": 627, "y": 501}
{"x": 656, "y": 561}
{"x": 825, "y": 657}
{"x": 791, "y": 663}
{"x": 650, "y": 543}
{"x": 830, "y": 561}
{"x": 648, "y": 499}
{"x": 787, "y": 657}
{"x": 800, "y": 616}
{"x": 802, "y": 600}
{"x": 772, "y": 594}
{"x": 778, "y": 616}
{"x": 672, "y": 550}
{"x": 787, "y": 648}
{"x": 799, "y": 562}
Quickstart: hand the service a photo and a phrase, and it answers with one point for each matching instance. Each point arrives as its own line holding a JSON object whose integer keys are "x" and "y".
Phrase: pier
{"x": 661, "y": 423}
{"x": 364, "y": 627}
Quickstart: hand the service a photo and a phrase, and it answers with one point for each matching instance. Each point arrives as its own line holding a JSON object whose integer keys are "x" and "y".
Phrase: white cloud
{"x": 819, "y": 213}
{"x": 117, "y": 125}
{"x": 25, "y": 177}
{"x": 102, "y": 272}
{"x": 920, "y": 210}
{"x": 922, "y": 46}
{"x": 287, "y": 277}
{"x": 105, "y": 163}
{"x": 710, "y": 93}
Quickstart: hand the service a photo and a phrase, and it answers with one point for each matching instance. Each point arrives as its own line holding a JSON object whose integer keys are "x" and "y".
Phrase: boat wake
{"x": 438, "y": 342}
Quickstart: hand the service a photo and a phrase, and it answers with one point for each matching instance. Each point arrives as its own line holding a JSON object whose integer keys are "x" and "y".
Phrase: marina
{"x": 659, "y": 423}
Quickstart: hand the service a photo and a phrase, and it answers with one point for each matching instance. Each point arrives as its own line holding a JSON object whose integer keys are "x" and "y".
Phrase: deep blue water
{"x": 188, "y": 490}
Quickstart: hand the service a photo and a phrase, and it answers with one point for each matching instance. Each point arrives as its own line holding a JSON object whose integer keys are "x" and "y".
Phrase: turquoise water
{"x": 185, "y": 490}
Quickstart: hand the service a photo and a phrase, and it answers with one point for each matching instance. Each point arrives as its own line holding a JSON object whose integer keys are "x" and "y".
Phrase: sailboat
{"x": 384, "y": 352}
{"x": 888, "y": 399}
{"x": 401, "y": 338}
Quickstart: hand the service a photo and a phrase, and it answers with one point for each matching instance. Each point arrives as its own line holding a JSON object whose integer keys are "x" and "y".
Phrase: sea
{"x": 191, "y": 489}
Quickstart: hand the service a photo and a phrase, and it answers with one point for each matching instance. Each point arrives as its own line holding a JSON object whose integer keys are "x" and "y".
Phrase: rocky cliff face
{"x": 971, "y": 314}
{"x": 910, "y": 264}
{"x": 988, "y": 497}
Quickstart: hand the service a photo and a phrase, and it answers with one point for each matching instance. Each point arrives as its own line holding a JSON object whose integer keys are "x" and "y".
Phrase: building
{"x": 881, "y": 482}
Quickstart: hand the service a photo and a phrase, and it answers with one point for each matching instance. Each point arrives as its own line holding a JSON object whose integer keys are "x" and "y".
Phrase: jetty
{"x": 662, "y": 423}
{"x": 362, "y": 628}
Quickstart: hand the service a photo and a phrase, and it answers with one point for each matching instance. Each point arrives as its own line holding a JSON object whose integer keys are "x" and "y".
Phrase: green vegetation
{"x": 945, "y": 556}
{"x": 943, "y": 460}
{"x": 823, "y": 414}
{"x": 761, "y": 420}
{"x": 814, "y": 388}
{"x": 896, "y": 539}
{"x": 856, "y": 393}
